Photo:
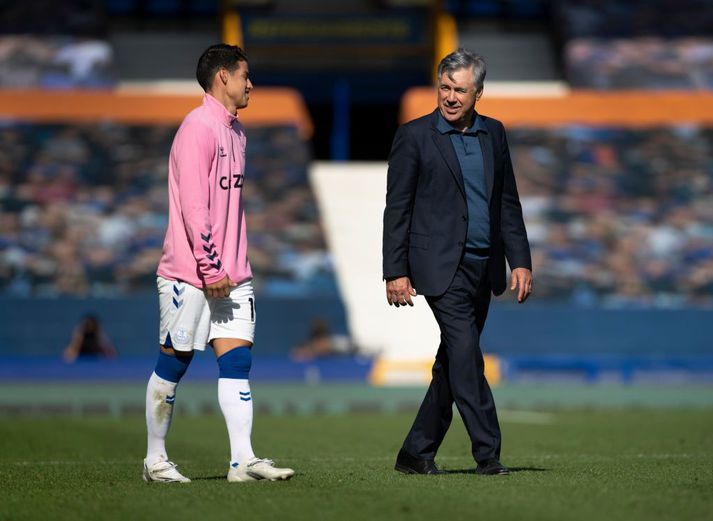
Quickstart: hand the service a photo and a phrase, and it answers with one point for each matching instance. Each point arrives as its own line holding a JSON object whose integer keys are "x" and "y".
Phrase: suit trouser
{"x": 458, "y": 372}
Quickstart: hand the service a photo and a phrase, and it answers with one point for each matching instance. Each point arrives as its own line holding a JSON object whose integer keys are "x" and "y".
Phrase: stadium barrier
{"x": 589, "y": 108}
{"x": 399, "y": 372}
{"x": 269, "y": 106}
{"x": 131, "y": 322}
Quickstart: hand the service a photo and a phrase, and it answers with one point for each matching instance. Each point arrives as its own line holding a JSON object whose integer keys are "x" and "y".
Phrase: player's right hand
{"x": 220, "y": 289}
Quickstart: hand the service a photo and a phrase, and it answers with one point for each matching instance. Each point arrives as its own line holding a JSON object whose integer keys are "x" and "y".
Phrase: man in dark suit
{"x": 452, "y": 217}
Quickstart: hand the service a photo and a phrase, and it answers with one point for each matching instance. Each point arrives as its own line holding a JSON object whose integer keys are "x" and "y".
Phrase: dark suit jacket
{"x": 426, "y": 215}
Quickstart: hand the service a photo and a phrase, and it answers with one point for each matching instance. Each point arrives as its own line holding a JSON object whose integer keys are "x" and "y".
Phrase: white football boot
{"x": 257, "y": 469}
{"x": 165, "y": 472}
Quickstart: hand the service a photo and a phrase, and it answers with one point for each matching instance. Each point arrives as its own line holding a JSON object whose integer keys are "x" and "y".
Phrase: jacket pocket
{"x": 418, "y": 240}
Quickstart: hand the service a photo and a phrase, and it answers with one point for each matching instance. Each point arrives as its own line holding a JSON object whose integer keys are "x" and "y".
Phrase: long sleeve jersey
{"x": 206, "y": 236}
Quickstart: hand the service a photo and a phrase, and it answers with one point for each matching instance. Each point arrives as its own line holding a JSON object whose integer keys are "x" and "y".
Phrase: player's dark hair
{"x": 216, "y": 57}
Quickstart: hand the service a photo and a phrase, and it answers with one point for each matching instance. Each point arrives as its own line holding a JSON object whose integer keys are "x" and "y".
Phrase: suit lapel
{"x": 486, "y": 147}
{"x": 445, "y": 147}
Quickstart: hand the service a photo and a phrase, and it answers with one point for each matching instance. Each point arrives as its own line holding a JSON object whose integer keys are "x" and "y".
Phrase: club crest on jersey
{"x": 182, "y": 336}
{"x": 221, "y": 152}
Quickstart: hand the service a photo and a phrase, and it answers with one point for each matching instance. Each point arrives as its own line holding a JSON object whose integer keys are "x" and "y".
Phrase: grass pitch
{"x": 635, "y": 465}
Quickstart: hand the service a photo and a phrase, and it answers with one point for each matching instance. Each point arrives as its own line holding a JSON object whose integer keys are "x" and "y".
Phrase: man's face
{"x": 238, "y": 86}
{"x": 457, "y": 97}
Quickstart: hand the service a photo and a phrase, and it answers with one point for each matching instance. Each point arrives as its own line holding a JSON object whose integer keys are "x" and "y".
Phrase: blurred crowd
{"x": 619, "y": 217}
{"x": 636, "y": 44}
{"x": 640, "y": 63}
{"x": 56, "y": 62}
{"x": 83, "y": 210}
{"x": 55, "y": 45}
{"x": 615, "y": 216}
{"x": 85, "y": 18}
{"x": 632, "y": 18}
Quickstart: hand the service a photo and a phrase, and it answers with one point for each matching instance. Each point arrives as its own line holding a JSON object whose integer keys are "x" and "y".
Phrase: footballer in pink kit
{"x": 204, "y": 277}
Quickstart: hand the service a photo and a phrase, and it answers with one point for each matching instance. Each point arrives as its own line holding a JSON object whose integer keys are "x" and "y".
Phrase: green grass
{"x": 604, "y": 466}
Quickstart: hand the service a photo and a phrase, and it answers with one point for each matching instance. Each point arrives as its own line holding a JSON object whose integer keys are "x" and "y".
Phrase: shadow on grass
{"x": 218, "y": 478}
{"x": 512, "y": 470}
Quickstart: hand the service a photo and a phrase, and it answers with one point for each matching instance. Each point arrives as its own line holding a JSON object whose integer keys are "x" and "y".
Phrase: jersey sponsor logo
{"x": 235, "y": 180}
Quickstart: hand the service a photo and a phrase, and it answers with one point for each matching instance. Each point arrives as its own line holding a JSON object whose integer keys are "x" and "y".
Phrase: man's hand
{"x": 221, "y": 288}
{"x": 521, "y": 278}
{"x": 399, "y": 291}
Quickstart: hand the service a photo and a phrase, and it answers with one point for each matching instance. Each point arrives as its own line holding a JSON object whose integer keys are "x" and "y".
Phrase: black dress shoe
{"x": 492, "y": 467}
{"x": 409, "y": 465}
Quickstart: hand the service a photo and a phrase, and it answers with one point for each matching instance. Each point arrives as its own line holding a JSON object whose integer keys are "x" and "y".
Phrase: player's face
{"x": 238, "y": 86}
{"x": 457, "y": 96}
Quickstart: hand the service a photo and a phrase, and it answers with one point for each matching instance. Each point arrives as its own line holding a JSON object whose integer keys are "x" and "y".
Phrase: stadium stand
{"x": 636, "y": 45}
{"x": 632, "y": 18}
{"x": 95, "y": 193}
{"x": 84, "y": 210}
{"x": 617, "y": 193}
{"x": 80, "y": 18}
{"x": 619, "y": 216}
{"x": 65, "y": 48}
{"x": 641, "y": 63}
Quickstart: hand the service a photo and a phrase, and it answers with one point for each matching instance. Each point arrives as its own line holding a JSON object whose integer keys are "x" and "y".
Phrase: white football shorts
{"x": 192, "y": 319}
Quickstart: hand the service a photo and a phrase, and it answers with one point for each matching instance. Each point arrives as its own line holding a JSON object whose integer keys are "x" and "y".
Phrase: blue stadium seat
{"x": 164, "y": 7}
{"x": 120, "y": 6}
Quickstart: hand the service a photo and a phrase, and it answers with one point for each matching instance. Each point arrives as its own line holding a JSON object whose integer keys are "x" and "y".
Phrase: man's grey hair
{"x": 462, "y": 59}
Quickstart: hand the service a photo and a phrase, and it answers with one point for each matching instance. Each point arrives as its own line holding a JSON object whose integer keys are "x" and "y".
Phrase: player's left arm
{"x": 401, "y": 182}
{"x": 513, "y": 232}
{"x": 193, "y": 153}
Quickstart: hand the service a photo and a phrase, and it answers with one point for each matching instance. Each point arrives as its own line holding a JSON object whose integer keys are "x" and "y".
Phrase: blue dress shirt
{"x": 470, "y": 157}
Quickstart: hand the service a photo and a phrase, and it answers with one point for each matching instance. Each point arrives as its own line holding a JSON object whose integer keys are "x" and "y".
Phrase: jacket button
{"x": 464, "y": 217}
{"x": 460, "y": 243}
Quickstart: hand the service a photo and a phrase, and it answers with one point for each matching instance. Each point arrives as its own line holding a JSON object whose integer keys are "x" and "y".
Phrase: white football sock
{"x": 236, "y": 403}
{"x": 160, "y": 397}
